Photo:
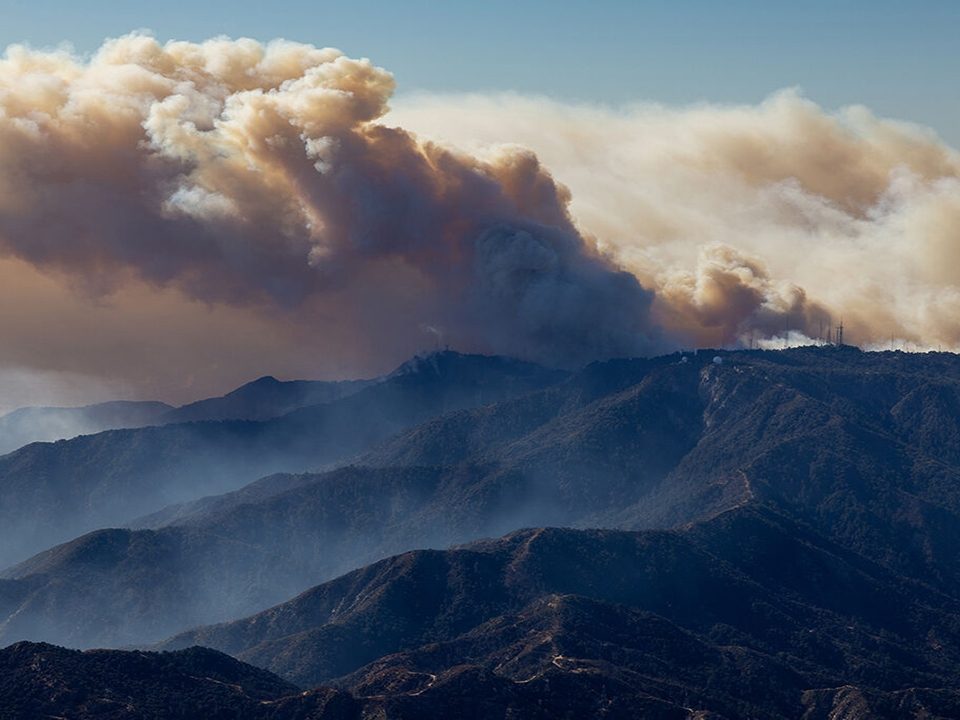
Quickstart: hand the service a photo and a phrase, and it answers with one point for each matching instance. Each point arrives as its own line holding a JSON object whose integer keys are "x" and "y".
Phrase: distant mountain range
{"x": 779, "y": 538}
{"x": 46, "y": 424}
{"x": 50, "y": 492}
{"x": 259, "y": 400}
{"x": 264, "y": 399}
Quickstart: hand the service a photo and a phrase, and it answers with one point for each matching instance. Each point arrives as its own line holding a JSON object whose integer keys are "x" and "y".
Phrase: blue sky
{"x": 899, "y": 58}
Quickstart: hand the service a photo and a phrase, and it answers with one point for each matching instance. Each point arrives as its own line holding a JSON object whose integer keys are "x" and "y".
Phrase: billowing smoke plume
{"x": 258, "y": 176}
{"x": 229, "y": 208}
{"x": 749, "y": 222}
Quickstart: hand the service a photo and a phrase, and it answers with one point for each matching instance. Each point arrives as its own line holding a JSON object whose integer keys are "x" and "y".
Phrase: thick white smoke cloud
{"x": 258, "y": 175}
{"x": 748, "y": 221}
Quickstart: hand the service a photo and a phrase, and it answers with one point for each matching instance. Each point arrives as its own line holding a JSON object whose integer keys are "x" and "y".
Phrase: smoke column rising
{"x": 257, "y": 176}
{"x": 231, "y": 203}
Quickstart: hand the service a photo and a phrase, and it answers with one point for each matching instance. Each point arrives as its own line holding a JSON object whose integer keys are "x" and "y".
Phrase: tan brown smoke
{"x": 229, "y": 208}
{"x": 749, "y": 221}
{"x": 257, "y": 176}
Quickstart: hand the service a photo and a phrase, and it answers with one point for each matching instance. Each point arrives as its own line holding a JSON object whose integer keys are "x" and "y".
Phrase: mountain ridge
{"x": 720, "y": 588}
{"x": 113, "y": 477}
{"x": 27, "y": 425}
{"x": 781, "y": 541}
{"x": 630, "y": 444}
{"x": 260, "y": 399}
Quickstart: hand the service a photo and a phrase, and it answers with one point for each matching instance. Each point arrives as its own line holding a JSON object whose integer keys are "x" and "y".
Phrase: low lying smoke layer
{"x": 258, "y": 176}
{"x": 236, "y": 208}
{"x": 749, "y": 223}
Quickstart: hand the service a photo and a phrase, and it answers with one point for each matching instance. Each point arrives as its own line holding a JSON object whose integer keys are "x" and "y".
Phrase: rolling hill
{"x": 748, "y": 614}
{"x": 821, "y": 436}
{"x": 258, "y": 400}
{"x": 43, "y": 681}
{"x": 50, "y": 492}
{"x": 46, "y": 424}
{"x": 265, "y": 398}
{"x": 782, "y": 542}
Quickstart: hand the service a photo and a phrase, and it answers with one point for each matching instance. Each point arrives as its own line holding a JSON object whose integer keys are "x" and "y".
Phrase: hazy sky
{"x": 897, "y": 57}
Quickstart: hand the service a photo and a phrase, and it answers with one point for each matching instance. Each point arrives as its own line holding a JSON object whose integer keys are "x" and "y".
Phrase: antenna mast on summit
{"x": 840, "y": 333}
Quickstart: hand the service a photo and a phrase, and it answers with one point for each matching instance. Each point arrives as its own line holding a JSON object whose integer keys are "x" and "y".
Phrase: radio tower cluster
{"x": 834, "y": 335}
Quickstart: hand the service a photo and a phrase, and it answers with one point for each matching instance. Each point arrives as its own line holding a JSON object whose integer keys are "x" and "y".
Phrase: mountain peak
{"x": 265, "y": 380}
{"x": 427, "y": 362}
